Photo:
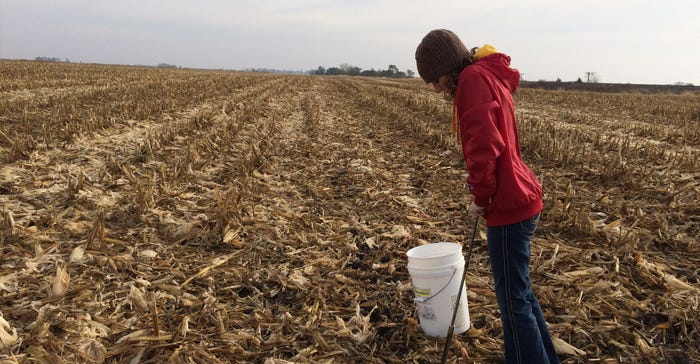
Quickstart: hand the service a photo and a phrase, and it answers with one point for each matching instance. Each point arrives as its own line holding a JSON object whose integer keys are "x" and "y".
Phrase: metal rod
{"x": 451, "y": 329}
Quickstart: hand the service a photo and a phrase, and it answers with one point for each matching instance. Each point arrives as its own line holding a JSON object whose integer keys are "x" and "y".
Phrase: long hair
{"x": 453, "y": 76}
{"x": 451, "y": 85}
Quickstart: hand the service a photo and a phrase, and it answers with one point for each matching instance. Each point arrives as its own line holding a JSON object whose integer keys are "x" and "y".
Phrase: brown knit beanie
{"x": 439, "y": 53}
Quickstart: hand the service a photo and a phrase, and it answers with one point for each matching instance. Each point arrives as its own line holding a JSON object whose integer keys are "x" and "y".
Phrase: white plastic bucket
{"x": 436, "y": 271}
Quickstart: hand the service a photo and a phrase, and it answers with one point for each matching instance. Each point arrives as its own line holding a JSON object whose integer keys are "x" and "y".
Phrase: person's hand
{"x": 475, "y": 210}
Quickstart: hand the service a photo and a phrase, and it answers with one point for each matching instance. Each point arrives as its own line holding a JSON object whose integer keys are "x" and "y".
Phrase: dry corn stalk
{"x": 98, "y": 230}
{"x": 138, "y": 298}
{"x": 8, "y": 334}
{"x": 60, "y": 282}
{"x": 215, "y": 263}
{"x": 7, "y": 224}
{"x": 564, "y": 348}
{"x": 76, "y": 256}
{"x": 184, "y": 326}
{"x": 672, "y": 283}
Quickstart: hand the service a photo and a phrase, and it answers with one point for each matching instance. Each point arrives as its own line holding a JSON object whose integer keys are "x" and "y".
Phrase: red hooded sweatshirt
{"x": 498, "y": 178}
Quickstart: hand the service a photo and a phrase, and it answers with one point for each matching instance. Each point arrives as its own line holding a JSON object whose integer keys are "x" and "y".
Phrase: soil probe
{"x": 451, "y": 329}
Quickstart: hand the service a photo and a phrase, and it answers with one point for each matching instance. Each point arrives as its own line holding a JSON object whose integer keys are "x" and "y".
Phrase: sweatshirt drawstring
{"x": 454, "y": 126}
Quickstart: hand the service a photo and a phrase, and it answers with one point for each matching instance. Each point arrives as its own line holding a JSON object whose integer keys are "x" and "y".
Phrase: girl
{"x": 504, "y": 190}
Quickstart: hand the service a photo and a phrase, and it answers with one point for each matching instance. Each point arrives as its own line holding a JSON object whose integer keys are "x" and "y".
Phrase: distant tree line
{"x": 610, "y": 87}
{"x": 274, "y": 70}
{"x": 49, "y": 59}
{"x": 349, "y": 70}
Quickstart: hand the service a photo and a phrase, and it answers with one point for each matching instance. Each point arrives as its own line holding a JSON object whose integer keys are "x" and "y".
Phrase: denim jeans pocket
{"x": 530, "y": 225}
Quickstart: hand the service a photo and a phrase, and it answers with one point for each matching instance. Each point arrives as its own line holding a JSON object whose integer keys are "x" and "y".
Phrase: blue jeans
{"x": 525, "y": 333}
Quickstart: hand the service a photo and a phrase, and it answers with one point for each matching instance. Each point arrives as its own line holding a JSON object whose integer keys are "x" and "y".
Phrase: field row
{"x": 632, "y": 176}
{"x": 244, "y": 217}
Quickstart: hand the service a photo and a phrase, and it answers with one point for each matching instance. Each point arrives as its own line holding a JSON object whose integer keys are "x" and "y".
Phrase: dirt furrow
{"x": 269, "y": 221}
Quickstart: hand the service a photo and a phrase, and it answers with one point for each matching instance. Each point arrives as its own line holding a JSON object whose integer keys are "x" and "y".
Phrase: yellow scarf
{"x": 480, "y": 53}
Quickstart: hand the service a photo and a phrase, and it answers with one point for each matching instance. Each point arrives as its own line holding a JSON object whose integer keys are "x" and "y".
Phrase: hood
{"x": 499, "y": 65}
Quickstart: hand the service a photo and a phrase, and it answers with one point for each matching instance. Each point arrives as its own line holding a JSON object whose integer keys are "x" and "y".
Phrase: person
{"x": 504, "y": 190}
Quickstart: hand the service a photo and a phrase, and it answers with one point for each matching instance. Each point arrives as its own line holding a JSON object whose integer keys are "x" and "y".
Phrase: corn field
{"x": 162, "y": 215}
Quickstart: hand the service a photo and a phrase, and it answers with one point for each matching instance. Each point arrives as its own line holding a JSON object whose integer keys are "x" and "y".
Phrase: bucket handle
{"x": 426, "y": 299}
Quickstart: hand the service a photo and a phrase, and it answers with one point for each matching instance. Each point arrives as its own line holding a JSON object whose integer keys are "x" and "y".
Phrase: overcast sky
{"x": 626, "y": 41}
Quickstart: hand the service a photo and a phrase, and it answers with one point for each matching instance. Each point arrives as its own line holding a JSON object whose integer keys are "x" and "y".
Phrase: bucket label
{"x": 421, "y": 293}
{"x": 426, "y": 312}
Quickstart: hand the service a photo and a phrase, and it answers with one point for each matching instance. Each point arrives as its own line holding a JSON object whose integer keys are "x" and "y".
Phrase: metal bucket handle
{"x": 426, "y": 299}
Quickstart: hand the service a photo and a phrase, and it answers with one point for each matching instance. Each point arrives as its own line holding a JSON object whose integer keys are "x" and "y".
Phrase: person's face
{"x": 440, "y": 85}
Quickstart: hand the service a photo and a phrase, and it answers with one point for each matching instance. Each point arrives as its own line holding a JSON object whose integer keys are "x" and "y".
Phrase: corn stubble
{"x": 185, "y": 216}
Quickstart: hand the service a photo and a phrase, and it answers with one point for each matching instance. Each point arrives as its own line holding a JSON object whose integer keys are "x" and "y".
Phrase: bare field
{"x": 151, "y": 216}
